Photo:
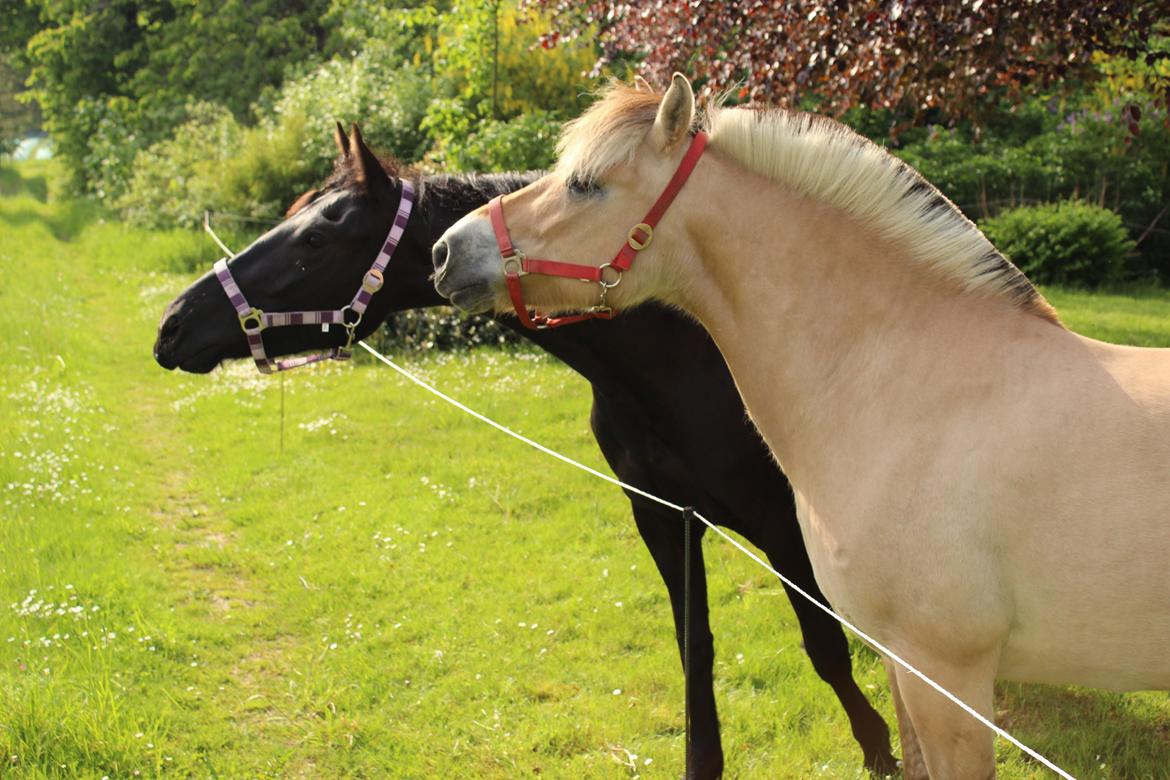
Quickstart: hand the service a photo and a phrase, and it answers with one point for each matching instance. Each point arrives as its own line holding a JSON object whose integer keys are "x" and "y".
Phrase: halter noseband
{"x": 517, "y": 264}
{"x": 253, "y": 321}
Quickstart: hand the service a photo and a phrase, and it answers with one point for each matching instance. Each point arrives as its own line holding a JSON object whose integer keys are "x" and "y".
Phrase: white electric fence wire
{"x": 632, "y": 489}
{"x": 214, "y": 237}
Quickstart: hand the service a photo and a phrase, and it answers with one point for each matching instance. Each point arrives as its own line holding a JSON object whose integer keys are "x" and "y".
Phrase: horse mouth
{"x": 471, "y": 302}
{"x": 202, "y": 362}
{"x": 470, "y": 299}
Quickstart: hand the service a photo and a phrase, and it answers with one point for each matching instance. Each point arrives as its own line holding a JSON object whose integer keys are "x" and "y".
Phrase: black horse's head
{"x": 314, "y": 260}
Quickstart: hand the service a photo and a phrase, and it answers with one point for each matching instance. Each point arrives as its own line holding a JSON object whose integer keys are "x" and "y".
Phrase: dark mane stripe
{"x": 820, "y": 158}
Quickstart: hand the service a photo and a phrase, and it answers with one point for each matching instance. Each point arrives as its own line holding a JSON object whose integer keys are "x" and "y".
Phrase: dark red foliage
{"x": 910, "y": 56}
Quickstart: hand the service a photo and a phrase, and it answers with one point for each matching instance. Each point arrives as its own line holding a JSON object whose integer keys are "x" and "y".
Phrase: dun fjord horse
{"x": 979, "y": 488}
{"x": 665, "y": 411}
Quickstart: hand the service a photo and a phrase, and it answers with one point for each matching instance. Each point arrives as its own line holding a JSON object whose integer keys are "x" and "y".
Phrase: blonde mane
{"x": 824, "y": 160}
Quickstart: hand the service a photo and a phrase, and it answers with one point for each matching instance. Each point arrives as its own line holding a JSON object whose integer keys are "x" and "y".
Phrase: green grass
{"x": 399, "y": 592}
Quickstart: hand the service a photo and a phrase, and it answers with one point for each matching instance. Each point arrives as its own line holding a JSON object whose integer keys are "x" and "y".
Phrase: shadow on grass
{"x": 1129, "y": 734}
{"x": 67, "y": 220}
{"x": 13, "y": 182}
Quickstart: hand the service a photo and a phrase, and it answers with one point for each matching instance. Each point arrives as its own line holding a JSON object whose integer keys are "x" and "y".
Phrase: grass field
{"x": 398, "y": 592}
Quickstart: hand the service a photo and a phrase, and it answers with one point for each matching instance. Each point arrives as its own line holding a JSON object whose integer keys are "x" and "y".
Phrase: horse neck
{"x": 836, "y": 339}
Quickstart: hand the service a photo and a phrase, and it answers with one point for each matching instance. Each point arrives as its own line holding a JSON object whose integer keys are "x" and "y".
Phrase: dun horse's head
{"x": 614, "y": 163}
{"x": 314, "y": 260}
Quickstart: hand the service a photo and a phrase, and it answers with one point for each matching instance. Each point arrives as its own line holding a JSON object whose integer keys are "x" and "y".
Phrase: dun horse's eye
{"x": 315, "y": 240}
{"x": 579, "y": 186}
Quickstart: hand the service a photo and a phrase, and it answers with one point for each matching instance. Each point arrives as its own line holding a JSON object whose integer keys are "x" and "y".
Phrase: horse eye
{"x": 579, "y": 186}
{"x": 315, "y": 240}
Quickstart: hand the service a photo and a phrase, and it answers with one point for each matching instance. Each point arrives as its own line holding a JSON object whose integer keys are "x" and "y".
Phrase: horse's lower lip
{"x": 202, "y": 362}
{"x": 471, "y": 300}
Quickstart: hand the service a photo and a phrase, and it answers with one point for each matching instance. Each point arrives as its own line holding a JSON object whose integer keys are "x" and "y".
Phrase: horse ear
{"x": 341, "y": 139}
{"x": 367, "y": 169}
{"x": 642, "y": 85}
{"x": 676, "y": 112}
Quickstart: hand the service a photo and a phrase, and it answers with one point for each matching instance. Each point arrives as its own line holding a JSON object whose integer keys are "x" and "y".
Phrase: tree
{"x": 112, "y": 77}
{"x": 906, "y": 55}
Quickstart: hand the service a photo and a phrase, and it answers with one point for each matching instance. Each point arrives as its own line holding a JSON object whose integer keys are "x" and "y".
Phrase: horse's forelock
{"x": 607, "y": 133}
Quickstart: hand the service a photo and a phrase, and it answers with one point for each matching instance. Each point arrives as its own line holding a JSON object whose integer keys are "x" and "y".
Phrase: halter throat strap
{"x": 253, "y": 321}
{"x": 607, "y": 275}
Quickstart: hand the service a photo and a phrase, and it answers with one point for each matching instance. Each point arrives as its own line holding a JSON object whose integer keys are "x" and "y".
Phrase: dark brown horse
{"x": 665, "y": 411}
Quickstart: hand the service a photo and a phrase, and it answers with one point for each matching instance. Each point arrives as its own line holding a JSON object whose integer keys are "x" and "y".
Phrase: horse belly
{"x": 1098, "y": 626}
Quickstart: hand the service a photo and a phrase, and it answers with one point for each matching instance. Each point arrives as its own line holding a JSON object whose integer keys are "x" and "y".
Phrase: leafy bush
{"x": 173, "y": 181}
{"x": 1069, "y": 243}
{"x": 525, "y": 143}
{"x": 268, "y": 169}
{"x": 211, "y": 162}
{"x": 1042, "y": 152}
{"x": 502, "y": 96}
{"x": 387, "y": 97}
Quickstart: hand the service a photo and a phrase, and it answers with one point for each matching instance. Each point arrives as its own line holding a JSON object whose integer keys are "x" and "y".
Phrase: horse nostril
{"x": 439, "y": 255}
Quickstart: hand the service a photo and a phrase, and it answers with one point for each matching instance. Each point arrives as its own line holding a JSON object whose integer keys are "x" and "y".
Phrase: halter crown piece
{"x": 253, "y": 321}
{"x": 518, "y": 264}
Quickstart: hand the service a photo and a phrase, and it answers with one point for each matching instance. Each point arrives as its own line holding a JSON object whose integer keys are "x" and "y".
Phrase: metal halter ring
{"x": 637, "y": 244}
{"x": 518, "y": 259}
{"x": 254, "y": 314}
{"x": 609, "y": 285}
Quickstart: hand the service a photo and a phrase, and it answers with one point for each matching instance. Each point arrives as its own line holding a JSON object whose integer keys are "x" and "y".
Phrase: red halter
{"x": 517, "y": 264}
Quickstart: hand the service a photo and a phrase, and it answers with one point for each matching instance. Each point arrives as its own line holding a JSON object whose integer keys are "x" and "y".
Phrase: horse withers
{"x": 665, "y": 412}
{"x": 980, "y": 489}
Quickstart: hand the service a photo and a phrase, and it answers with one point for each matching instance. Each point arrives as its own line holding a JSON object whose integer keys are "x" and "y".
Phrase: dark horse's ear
{"x": 367, "y": 170}
{"x": 341, "y": 139}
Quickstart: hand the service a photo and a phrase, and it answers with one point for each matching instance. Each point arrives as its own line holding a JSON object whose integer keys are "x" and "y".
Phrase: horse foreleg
{"x": 827, "y": 648}
{"x": 662, "y": 531}
{"x": 953, "y": 744}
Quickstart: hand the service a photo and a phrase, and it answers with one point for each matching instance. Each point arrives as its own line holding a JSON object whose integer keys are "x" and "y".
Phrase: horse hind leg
{"x": 953, "y": 744}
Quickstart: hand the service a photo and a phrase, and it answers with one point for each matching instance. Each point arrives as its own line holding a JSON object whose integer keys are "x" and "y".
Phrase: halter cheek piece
{"x": 607, "y": 275}
{"x": 253, "y": 321}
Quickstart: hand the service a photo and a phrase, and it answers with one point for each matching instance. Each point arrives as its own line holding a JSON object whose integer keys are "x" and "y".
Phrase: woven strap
{"x": 253, "y": 321}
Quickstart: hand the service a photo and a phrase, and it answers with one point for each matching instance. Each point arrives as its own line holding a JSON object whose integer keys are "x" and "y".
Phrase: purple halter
{"x": 253, "y": 321}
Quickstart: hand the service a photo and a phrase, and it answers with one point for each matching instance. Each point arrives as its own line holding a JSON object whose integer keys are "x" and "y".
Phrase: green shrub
{"x": 1070, "y": 242}
{"x": 173, "y": 181}
{"x": 211, "y": 162}
{"x": 268, "y": 169}
{"x": 525, "y": 143}
{"x": 387, "y": 97}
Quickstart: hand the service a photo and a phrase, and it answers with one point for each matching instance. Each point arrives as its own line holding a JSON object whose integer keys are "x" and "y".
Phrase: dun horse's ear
{"x": 642, "y": 85}
{"x": 676, "y": 112}
{"x": 367, "y": 170}
{"x": 341, "y": 139}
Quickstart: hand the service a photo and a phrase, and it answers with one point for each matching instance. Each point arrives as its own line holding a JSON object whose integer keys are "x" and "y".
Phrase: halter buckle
{"x": 373, "y": 281}
{"x": 254, "y": 314}
{"x": 638, "y": 244}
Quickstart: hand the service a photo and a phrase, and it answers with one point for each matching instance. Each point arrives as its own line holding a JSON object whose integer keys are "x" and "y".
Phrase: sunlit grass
{"x": 399, "y": 592}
